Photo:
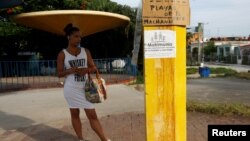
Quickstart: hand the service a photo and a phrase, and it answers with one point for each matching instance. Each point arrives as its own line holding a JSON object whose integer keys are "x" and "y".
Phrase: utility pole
{"x": 200, "y": 39}
{"x": 165, "y": 68}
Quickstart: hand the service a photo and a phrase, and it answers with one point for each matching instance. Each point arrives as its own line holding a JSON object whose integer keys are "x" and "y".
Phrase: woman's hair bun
{"x": 67, "y": 28}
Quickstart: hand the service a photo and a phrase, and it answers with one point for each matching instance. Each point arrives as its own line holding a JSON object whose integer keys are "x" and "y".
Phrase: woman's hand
{"x": 82, "y": 71}
{"x": 73, "y": 70}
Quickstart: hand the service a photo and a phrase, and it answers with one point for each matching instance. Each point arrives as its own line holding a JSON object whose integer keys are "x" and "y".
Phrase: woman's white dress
{"x": 74, "y": 84}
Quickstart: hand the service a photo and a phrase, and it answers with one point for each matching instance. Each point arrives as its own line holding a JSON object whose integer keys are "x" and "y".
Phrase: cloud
{"x": 224, "y": 17}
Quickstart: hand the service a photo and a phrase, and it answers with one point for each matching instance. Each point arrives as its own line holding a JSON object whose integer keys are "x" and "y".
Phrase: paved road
{"x": 220, "y": 90}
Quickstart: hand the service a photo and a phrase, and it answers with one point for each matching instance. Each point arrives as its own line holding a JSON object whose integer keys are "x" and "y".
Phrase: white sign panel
{"x": 159, "y": 44}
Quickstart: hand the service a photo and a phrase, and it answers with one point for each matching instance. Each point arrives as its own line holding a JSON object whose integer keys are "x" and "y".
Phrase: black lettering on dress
{"x": 80, "y": 63}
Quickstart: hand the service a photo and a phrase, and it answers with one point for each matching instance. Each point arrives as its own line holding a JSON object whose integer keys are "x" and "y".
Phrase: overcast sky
{"x": 220, "y": 17}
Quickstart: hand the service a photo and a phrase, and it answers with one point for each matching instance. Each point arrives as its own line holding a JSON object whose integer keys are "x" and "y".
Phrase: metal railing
{"x": 229, "y": 59}
{"x": 17, "y": 75}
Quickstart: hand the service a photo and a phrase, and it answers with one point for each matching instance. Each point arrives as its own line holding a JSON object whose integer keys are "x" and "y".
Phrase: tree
{"x": 116, "y": 42}
{"x": 210, "y": 48}
{"x": 12, "y": 36}
{"x": 189, "y": 36}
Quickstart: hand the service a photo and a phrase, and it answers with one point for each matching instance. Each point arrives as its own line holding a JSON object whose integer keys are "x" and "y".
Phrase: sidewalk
{"x": 122, "y": 127}
{"x": 42, "y": 115}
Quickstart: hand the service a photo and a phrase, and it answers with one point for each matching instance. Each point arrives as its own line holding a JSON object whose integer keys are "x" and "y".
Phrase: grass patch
{"x": 219, "y": 71}
{"x": 244, "y": 75}
{"x": 219, "y": 109}
{"x": 226, "y": 71}
{"x": 139, "y": 79}
{"x": 192, "y": 70}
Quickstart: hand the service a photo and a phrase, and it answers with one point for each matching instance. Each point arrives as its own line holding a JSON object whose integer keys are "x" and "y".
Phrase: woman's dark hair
{"x": 69, "y": 29}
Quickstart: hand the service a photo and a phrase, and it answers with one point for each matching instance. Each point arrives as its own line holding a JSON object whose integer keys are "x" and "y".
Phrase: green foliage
{"x": 72, "y": 4}
{"x": 189, "y": 36}
{"x": 116, "y": 42}
{"x": 219, "y": 109}
{"x": 42, "y": 5}
{"x": 220, "y": 70}
{"x": 99, "y": 5}
{"x": 140, "y": 79}
{"x": 8, "y": 28}
{"x": 192, "y": 70}
{"x": 109, "y": 6}
{"x": 12, "y": 38}
{"x": 39, "y": 5}
{"x": 210, "y": 48}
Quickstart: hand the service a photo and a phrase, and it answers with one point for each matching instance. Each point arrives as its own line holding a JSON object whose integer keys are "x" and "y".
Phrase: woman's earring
{"x": 68, "y": 37}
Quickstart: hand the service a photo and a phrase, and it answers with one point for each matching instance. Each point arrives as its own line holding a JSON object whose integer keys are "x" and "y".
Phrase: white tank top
{"x": 80, "y": 61}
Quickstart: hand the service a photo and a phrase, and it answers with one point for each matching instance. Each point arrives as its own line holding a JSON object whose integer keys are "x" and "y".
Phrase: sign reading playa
{"x": 166, "y": 12}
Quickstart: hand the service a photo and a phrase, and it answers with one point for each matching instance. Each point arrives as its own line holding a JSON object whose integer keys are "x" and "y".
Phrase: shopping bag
{"x": 95, "y": 89}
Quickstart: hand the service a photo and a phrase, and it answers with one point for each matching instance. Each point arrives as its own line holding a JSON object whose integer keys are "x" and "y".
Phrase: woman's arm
{"x": 91, "y": 65}
{"x": 61, "y": 72}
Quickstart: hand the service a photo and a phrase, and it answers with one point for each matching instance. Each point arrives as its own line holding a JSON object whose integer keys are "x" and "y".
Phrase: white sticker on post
{"x": 159, "y": 44}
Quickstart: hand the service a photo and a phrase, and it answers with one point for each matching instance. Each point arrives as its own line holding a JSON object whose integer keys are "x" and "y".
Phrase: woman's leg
{"x": 76, "y": 122}
{"x": 95, "y": 124}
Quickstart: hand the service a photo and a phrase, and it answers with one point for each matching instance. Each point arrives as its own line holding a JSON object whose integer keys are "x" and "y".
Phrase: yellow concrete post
{"x": 165, "y": 72}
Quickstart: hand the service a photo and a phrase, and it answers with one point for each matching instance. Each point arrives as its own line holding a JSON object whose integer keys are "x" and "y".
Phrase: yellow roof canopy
{"x": 89, "y": 22}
